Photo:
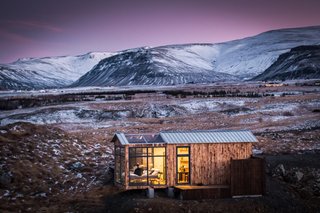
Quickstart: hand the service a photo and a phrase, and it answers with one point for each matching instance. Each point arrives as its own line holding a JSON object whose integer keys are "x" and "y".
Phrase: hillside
{"x": 302, "y": 62}
{"x": 155, "y": 66}
{"x": 49, "y": 72}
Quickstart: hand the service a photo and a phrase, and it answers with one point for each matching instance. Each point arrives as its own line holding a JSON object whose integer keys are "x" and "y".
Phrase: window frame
{"x": 121, "y": 156}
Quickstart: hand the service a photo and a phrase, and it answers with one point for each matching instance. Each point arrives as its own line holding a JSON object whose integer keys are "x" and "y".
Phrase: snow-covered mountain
{"x": 155, "y": 66}
{"x": 241, "y": 59}
{"x": 200, "y": 63}
{"x": 49, "y": 72}
{"x": 251, "y": 56}
{"x": 301, "y": 62}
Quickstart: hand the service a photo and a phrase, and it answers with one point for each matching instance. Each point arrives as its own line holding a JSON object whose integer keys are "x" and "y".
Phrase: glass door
{"x": 183, "y": 165}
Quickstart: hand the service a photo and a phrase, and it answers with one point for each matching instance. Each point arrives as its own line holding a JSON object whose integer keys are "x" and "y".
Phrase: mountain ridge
{"x": 240, "y": 59}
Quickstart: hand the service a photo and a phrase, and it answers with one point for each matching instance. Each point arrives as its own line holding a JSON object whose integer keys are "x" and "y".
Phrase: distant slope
{"x": 302, "y": 62}
{"x": 50, "y": 72}
{"x": 251, "y": 56}
{"x": 198, "y": 63}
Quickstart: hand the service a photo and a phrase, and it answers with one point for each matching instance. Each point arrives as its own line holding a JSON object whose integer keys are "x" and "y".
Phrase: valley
{"x": 57, "y": 155}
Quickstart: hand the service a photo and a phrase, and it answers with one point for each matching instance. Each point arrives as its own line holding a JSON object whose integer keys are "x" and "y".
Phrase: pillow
{"x": 155, "y": 172}
{"x": 145, "y": 172}
{"x": 151, "y": 171}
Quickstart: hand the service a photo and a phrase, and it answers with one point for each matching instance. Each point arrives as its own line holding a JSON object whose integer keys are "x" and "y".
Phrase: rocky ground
{"x": 41, "y": 164}
{"x": 58, "y": 158}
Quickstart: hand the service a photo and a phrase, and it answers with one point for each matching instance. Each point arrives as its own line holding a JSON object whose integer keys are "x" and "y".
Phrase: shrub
{"x": 287, "y": 113}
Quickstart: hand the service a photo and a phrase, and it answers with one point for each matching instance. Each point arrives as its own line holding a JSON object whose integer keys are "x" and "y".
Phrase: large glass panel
{"x": 122, "y": 151}
{"x": 138, "y": 152}
{"x": 147, "y": 166}
{"x": 119, "y": 164}
{"x": 117, "y": 168}
{"x": 138, "y": 174}
{"x": 157, "y": 174}
{"x": 122, "y": 176}
{"x": 117, "y": 150}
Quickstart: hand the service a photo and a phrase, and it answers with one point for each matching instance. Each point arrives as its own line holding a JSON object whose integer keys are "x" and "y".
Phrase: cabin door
{"x": 183, "y": 165}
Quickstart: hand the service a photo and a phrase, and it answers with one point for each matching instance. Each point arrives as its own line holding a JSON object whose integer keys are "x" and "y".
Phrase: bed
{"x": 153, "y": 175}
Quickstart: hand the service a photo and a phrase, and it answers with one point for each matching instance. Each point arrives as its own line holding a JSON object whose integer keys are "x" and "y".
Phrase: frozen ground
{"x": 54, "y": 158}
{"x": 278, "y": 112}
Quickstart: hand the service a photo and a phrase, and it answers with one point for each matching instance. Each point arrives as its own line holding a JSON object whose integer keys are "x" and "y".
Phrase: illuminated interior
{"x": 147, "y": 166}
{"x": 183, "y": 165}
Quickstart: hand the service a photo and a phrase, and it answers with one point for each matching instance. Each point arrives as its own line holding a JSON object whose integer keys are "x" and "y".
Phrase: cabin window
{"x": 119, "y": 164}
{"x": 183, "y": 165}
{"x": 147, "y": 166}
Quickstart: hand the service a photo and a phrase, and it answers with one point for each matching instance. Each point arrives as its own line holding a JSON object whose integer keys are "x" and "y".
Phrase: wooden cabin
{"x": 179, "y": 158}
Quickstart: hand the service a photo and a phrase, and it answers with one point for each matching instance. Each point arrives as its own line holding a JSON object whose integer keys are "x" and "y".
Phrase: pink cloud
{"x": 35, "y": 25}
{"x": 13, "y": 36}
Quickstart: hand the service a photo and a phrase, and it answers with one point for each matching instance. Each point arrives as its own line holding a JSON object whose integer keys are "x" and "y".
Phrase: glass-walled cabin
{"x": 178, "y": 158}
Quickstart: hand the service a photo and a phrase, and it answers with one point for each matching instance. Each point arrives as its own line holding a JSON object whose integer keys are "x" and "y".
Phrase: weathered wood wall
{"x": 248, "y": 177}
{"x": 212, "y": 162}
{"x": 126, "y": 166}
{"x": 209, "y": 163}
{"x": 171, "y": 165}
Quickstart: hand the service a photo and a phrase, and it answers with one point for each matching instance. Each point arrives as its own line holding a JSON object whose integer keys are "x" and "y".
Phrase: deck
{"x": 194, "y": 192}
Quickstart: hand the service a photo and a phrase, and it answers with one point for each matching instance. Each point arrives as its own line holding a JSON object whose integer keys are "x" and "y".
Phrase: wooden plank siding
{"x": 248, "y": 177}
{"x": 171, "y": 165}
{"x": 209, "y": 163}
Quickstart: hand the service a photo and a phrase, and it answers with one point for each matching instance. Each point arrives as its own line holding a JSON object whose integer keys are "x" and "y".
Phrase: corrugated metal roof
{"x": 192, "y": 136}
{"x": 122, "y": 138}
{"x": 208, "y": 136}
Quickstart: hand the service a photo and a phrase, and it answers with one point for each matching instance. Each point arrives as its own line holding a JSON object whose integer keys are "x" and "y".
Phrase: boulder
{"x": 280, "y": 170}
{"x": 77, "y": 166}
{"x": 298, "y": 176}
{"x": 5, "y": 180}
{"x": 257, "y": 152}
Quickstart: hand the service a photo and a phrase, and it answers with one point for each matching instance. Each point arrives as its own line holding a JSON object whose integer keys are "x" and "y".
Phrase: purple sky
{"x": 38, "y": 28}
